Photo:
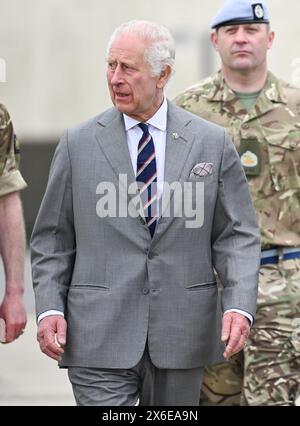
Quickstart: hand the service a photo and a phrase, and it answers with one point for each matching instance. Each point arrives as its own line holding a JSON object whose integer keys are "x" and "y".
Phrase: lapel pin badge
{"x": 175, "y": 136}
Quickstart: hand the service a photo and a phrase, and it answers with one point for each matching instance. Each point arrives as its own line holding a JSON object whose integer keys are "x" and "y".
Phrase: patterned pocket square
{"x": 202, "y": 169}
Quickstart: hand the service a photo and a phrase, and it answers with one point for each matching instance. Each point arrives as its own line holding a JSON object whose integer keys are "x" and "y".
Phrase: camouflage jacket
{"x": 10, "y": 177}
{"x": 268, "y": 140}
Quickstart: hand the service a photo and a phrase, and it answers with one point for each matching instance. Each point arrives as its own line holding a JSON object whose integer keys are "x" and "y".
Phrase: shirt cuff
{"x": 239, "y": 311}
{"x": 48, "y": 314}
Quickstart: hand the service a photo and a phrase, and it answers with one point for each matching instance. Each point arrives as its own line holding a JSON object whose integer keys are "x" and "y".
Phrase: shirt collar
{"x": 159, "y": 119}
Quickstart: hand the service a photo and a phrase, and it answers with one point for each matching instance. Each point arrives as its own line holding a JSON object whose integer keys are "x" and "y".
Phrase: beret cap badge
{"x": 258, "y": 11}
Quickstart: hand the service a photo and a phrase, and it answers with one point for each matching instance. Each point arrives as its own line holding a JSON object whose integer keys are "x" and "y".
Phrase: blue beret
{"x": 240, "y": 12}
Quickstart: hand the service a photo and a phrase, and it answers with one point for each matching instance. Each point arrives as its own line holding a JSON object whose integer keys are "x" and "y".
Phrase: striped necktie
{"x": 147, "y": 177}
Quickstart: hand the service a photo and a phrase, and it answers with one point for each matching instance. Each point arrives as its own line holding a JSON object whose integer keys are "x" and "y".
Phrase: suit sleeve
{"x": 235, "y": 237}
{"x": 53, "y": 243}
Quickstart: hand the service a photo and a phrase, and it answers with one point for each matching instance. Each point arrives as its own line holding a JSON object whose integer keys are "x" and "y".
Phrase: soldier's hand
{"x": 235, "y": 331}
{"x": 12, "y": 311}
{"x": 51, "y": 335}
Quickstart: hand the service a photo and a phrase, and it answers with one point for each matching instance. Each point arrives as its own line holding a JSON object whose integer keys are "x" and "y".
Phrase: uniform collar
{"x": 274, "y": 90}
{"x": 221, "y": 92}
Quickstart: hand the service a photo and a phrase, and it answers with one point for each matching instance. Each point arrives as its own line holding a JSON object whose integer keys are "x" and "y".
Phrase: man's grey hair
{"x": 161, "y": 46}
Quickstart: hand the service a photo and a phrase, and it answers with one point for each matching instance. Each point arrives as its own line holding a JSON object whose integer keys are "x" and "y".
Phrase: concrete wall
{"x": 52, "y": 55}
{"x": 54, "y": 52}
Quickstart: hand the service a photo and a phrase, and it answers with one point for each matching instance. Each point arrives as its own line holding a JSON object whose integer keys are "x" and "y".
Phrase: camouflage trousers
{"x": 271, "y": 371}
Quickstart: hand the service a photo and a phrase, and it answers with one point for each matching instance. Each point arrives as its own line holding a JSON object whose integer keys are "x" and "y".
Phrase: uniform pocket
{"x": 284, "y": 158}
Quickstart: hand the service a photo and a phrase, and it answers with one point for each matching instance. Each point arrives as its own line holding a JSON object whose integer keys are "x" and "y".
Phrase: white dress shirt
{"x": 158, "y": 130}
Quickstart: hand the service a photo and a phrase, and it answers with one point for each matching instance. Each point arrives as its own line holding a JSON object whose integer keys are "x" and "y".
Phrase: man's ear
{"x": 271, "y": 39}
{"x": 164, "y": 77}
{"x": 214, "y": 39}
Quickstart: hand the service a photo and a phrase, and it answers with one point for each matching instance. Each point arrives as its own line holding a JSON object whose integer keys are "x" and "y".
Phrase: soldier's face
{"x": 243, "y": 47}
{"x": 133, "y": 89}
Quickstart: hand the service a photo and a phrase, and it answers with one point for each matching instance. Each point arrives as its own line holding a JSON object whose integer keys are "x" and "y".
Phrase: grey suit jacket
{"x": 116, "y": 286}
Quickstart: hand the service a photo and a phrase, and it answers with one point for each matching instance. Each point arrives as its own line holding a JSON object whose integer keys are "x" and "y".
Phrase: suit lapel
{"x": 178, "y": 146}
{"x": 111, "y": 137}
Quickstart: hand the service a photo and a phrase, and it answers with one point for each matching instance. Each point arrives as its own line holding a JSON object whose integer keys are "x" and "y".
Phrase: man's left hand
{"x": 235, "y": 331}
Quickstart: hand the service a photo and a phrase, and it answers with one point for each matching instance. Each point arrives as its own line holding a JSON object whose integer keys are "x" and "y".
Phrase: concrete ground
{"x": 28, "y": 377}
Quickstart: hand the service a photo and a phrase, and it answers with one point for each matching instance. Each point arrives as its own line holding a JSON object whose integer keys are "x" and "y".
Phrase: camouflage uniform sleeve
{"x": 11, "y": 179}
{"x": 194, "y": 99}
{"x": 185, "y": 98}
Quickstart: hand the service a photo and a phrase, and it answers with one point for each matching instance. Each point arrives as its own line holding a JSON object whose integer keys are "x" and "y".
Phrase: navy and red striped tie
{"x": 147, "y": 177}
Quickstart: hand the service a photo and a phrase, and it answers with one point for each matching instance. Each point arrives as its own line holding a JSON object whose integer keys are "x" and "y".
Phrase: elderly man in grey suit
{"x": 144, "y": 203}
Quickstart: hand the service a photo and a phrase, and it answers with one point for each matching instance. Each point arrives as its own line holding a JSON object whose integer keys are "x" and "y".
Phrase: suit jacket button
{"x": 145, "y": 291}
{"x": 152, "y": 255}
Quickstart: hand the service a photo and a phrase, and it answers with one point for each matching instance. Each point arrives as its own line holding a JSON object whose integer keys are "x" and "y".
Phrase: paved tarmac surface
{"x": 28, "y": 377}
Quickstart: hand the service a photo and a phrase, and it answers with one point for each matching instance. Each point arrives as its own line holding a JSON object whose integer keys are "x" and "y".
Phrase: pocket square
{"x": 202, "y": 169}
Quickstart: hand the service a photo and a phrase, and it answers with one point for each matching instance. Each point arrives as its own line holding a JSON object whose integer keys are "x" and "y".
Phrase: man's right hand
{"x": 52, "y": 336}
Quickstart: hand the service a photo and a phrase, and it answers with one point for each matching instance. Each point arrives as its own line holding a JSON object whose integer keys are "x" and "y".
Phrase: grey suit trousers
{"x": 145, "y": 383}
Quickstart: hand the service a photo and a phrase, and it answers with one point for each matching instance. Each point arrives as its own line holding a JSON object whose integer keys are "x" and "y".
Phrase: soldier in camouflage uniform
{"x": 262, "y": 114}
{"x": 12, "y": 233}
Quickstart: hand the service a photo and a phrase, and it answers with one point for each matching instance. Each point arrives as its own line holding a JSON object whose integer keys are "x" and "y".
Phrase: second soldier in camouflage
{"x": 262, "y": 114}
